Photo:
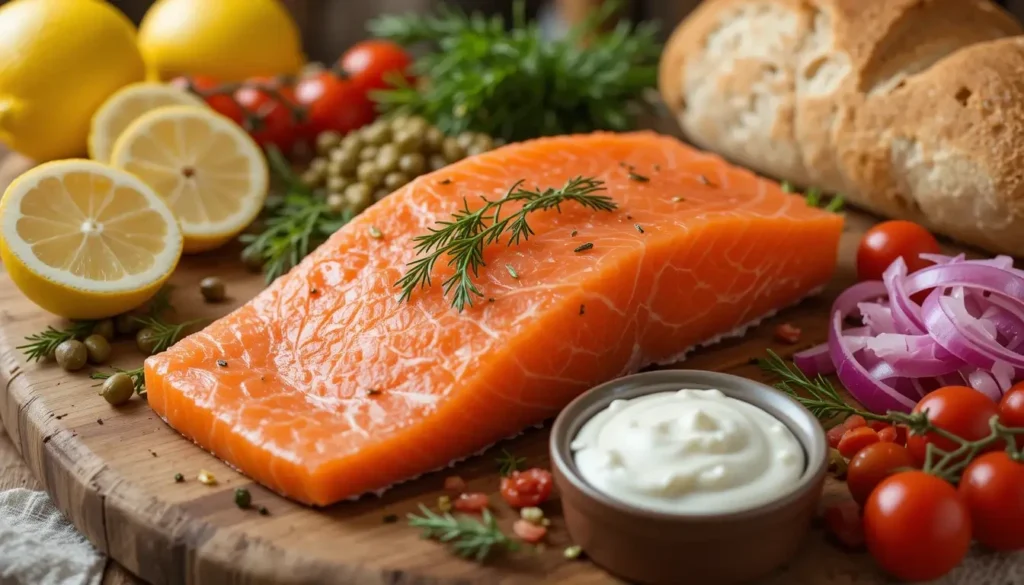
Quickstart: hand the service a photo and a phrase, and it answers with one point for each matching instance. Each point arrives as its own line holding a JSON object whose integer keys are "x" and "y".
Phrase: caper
{"x": 465, "y": 139}
{"x": 387, "y": 158}
{"x": 337, "y": 184}
{"x": 117, "y": 389}
{"x": 417, "y": 125}
{"x": 484, "y": 141}
{"x": 399, "y": 123}
{"x": 319, "y": 163}
{"x": 377, "y": 133}
{"x": 395, "y": 180}
{"x": 311, "y": 178}
{"x": 212, "y": 289}
{"x": 475, "y": 149}
{"x": 104, "y": 328}
{"x": 343, "y": 167}
{"x": 409, "y": 141}
{"x": 97, "y": 349}
{"x": 368, "y": 152}
{"x": 325, "y": 141}
{"x": 433, "y": 138}
{"x": 369, "y": 173}
{"x": 336, "y": 202}
{"x": 71, "y": 355}
{"x": 146, "y": 340}
{"x": 359, "y": 196}
{"x": 380, "y": 194}
{"x": 437, "y": 161}
{"x": 126, "y": 324}
{"x": 252, "y": 259}
{"x": 412, "y": 164}
{"x": 452, "y": 150}
{"x": 353, "y": 141}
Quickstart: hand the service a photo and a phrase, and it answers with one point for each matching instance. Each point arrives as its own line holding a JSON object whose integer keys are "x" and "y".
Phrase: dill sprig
{"x": 295, "y": 224}
{"x": 138, "y": 377}
{"x": 818, "y": 395}
{"x": 464, "y": 238}
{"x": 508, "y": 462}
{"x": 42, "y": 345}
{"x": 469, "y": 537}
{"x": 514, "y": 83}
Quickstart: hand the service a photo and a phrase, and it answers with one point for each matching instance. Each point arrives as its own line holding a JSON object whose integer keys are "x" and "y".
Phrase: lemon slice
{"x": 86, "y": 241}
{"x": 210, "y": 172}
{"x": 125, "y": 106}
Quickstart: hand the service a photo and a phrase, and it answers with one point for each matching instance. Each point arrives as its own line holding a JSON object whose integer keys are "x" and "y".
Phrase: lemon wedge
{"x": 125, "y": 106}
{"x": 211, "y": 173}
{"x": 86, "y": 241}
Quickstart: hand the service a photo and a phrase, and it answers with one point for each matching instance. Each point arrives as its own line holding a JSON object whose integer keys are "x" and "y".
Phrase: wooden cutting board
{"x": 111, "y": 470}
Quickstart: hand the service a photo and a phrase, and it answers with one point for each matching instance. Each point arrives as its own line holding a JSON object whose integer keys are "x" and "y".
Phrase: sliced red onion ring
{"x": 955, "y": 330}
{"x": 875, "y": 395}
{"x": 906, "y": 315}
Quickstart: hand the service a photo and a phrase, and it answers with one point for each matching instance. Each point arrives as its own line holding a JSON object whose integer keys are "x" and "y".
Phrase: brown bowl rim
{"x": 586, "y": 405}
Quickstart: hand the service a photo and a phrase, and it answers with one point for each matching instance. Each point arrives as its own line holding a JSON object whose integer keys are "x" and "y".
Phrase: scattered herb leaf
{"x": 638, "y": 228}
{"x": 637, "y": 177}
{"x": 584, "y": 247}
{"x": 375, "y": 233}
{"x": 469, "y": 537}
{"x": 222, "y": 363}
{"x": 573, "y": 234}
{"x": 512, "y": 271}
{"x": 43, "y": 344}
{"x": 508, "y": 462}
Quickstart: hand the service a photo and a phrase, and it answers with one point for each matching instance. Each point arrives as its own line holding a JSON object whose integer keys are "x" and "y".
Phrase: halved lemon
{"x": 86, "y": 241}
{"x": 125, "y": 106}
{"x": 210, "y": 172}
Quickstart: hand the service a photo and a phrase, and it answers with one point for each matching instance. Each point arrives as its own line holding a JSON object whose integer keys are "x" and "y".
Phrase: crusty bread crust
{"x": 911, "y": 108}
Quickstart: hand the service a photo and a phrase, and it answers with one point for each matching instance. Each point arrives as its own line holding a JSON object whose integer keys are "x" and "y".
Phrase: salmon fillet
{"x": 325, "y": 386}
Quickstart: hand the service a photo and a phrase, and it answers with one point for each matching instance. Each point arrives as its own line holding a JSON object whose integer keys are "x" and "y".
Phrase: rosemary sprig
{"x": 464, "y": 238}
{"x": 138, "y": 377}
{"x": 513, "y": 82}
{"x": 818, "y": 395}
{"x": 295, "y": 224}
{"x": 508, "y": 462}
{"x": 165, "y": 334}
{"x": 42, "y": 345}
{"x": 469, "y": 537}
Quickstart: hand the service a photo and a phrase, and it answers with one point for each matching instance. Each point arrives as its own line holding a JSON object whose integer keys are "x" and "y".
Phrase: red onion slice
{"x": 875, "y": 395}
{"x": 906, "y": 315}
{"x": 958, "y": 332}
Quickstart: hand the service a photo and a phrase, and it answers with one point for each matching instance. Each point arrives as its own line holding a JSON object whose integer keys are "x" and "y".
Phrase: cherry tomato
{"x": 843, "y": 522}
{"x": 529, "y": 532}
{"x": 526, "y": 488}
{"x": 855, "y": 420}
{"x": 222, "y": 104}
{"x": 369, "y": 63}
{"x": 961, "y": 410}
{"x": 871, "y": 465}
{"x": 856, "y": 439}
{"x": 454, "y": 484}
{"x": 889, "y": 240}
{"x": 916, "y": 525}
{"x": 333, "y": 103}
{"x": 993, "y": 487}
{"x": 472, "y": 503}
{"x": 1011, "y": 410}
{"x": 278, "y": 125}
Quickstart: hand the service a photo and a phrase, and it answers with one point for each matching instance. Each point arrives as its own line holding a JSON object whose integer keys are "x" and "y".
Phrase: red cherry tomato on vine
{"x": 871, "y": 465}
{"x": 369, "y": 64}
{"x": 856, "y": 439}
{"x": 916, "y": 525}
{"x": 333, "y": 104}
{"x": 887, "y": 241}
{"x": 222, "y": 104}
{"x": 526, "y": 488}
{"x": 1011, "y": 410}
{"x": 277, "y": 123}
{"x": 961, "y": 410}
{"x": 993, "y": 487}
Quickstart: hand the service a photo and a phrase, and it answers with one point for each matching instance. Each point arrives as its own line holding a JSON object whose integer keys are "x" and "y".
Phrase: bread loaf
{"x": 912, "y": 109}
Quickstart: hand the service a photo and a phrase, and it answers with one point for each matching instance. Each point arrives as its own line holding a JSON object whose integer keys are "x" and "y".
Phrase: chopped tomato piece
{"x": 879, "y": 425}
{"x": 855, "y": 421}
{"x": 856, "y": 439}
{"x": 843, "y": 522}
{"x": 454, "y": 484}
{"x": 529, "y": 532}
{"x": 787, "y": 333}
{"x": 473, "y": 502}
{"x": 888, "y": 435}
{"x": 527, "y": 488}
{"x": 834, "y": 435}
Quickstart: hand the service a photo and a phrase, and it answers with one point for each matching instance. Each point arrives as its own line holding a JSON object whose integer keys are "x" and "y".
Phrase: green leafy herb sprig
{"x": 294, "y": 225}
{"x": 508, "y": 462}
{"x": 469, "y": 537}
{"x": 43, "y": 344}
{"x": 464, "y": 238}
{"x": 516, "y": 84}
{"x": 815, "y": 198}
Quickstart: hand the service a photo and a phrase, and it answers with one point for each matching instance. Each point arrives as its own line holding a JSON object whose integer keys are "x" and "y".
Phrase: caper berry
{"x": 452, "y": 150}
{"x": 369, "y": 173}
{"x": 337, "y": 184}
{"x": 336, "y": 202}
{"x": 97, "y": 349}
{"x": 395, "y": 180}
{"x": 146, "y": 340}
{"x": 126, "y": 324}
{"x": 437, "y": 161}
{"x": 484, "y": 141}
{"x": 475, "y": 149}
{"x": 433, "y": 139}
{"x": 377, "y": 133}
{"x": 409, "y": 141}
{"x": 252, "y": 259}
{"x": 325, "y": 141}
{"x": 465, "y": 139}
{"x": 359, "y": 196}
{"x": 117, "y": 389}
{"x": 412, "y": 164}
{"x": 104, "y": 328}
{"x": 380, "y": 194}
{"x": 368, "y": 152}
{"x": 71, "y": 355}
{"x": 212, "y": 289}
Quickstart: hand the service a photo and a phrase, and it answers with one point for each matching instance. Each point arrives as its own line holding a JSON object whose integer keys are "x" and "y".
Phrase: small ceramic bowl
{"x": 658, "y": 548}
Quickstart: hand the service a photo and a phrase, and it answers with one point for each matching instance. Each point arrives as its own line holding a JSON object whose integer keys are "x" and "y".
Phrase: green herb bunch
{"x": 515, "y": 84}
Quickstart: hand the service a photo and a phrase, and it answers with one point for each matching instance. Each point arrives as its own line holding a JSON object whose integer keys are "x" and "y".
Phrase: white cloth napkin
{"x": 38, "y": 546}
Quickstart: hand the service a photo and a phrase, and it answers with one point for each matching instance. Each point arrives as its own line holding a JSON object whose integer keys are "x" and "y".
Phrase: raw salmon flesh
{"x": 325, "y": 386}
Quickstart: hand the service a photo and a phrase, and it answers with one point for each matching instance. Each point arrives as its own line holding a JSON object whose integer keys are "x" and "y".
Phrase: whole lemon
{"x": 226, "y": 39}
{"x": 59, "y": 61}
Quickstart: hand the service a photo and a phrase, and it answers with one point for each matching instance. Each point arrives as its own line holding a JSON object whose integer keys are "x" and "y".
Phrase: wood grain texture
{"x": 111, "y": 471}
